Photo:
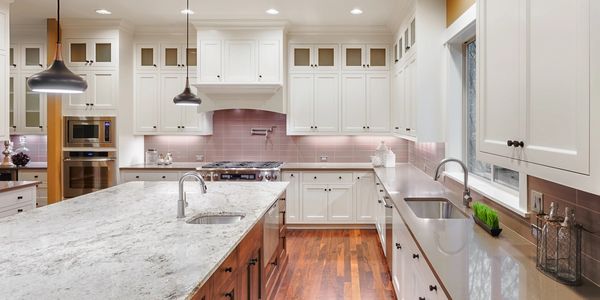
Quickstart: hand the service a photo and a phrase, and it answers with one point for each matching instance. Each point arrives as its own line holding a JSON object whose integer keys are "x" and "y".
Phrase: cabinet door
{"x": 104, "y": 90}
{"x": 191, "y": 119}
{"x": 13, "y": 59}
{"x": 378, "y": 102}
{"x": 170, "y": 57}
{"x": 83, "y": 100}
{"x": 340, "y": 203}
{"x": 4, "y": 132}
{"x": 103, "y": 53}
{"x": 500, "y": 74}
{"x": 301, "y": 57}
{"x": 365, "y": 197}
{"x": 354, "y": 103}
{"x": 32, "y": 111}
{"x": 314, "y": 203}
{"x": 240, "y": 61}
{"x": 269, "y": 61}
{"x": 146, "y": 57}
{"x": 210, "y": 61}
{"x": 301, "y": 102}
{"x": 146, "y": 102}
{"x": 78, "y": 52}
{"x": 398, "y": 102}
{"x": 33, "y": 57}
{"x": 353, "y": 57}
{"x": 292, "y": 200}
{"x": 170, "y": 114}
{"x": 397, "y": 254}
{"x": 326, "y": 102}
{"x": 410, "y": 97}
{"x": 377, "y": 57}
{"x": 327, "y": 57}
{"x": 558, "y": 106}
{"x": 12, "y": 102}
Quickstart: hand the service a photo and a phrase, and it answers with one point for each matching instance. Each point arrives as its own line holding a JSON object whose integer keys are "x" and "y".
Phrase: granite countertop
{"x": 125, "y": 242}
{"x": 326, "y": 166}
{"x": 469, "y": 262}
{"x": 174, "y": 166}
{"x": 31, "y": 165}
{"x": 6, "y": 186}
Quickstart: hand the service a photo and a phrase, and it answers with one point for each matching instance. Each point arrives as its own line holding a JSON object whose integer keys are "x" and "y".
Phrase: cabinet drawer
{"x": 33, "y": 176}
{"x": 18, "y": 197}
{"x": 322, "y": 177}
{"x": 13, "y": 210}
{"x": 226, "y": 271}
{"x": 151, "y": 176}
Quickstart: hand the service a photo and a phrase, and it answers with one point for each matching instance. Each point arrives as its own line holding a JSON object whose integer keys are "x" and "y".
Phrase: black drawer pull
{"x": 20, "y": 197}
{"x": 164, "y": 177}
{"x": 340, "y": 177}
{"x": 35, "y": 176}
{"x": 20, "y": 210}
{"x": 421, "y": 298}
{"x": 253, "y": 261}
{"x": 137, "y": 177}
{"x": 315, "y": 177}
{"x": 231, "y": 295}
{"x": 432, "y": 288}
{"x": 398, "y": 246}
{"x": 416, "y": 256}
{"x": 228, "y": 269}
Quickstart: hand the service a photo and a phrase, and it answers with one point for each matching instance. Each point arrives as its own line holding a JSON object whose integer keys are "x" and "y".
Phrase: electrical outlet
{"x": 199, "y": 157}
{"x": 537, "y": 202}
{"x": 324, "y": 157}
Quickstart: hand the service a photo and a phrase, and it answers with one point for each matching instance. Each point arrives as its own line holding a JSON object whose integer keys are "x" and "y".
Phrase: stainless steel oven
{"x": 87, "y": 171}
{"x": 90, "y": 132}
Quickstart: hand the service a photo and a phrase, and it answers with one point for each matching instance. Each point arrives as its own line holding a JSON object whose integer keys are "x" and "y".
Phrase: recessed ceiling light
{"x": 187, "y": 12}
{"x": 103, "y": 11}
{"x": 356, "y": 11}
{"x": 272, "y": 11}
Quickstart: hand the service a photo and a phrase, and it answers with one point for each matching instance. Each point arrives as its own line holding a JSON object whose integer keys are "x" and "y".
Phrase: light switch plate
{"x": 537, "y": 202}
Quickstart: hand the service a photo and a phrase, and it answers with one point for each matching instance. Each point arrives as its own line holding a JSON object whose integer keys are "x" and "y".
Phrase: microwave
{"x": 90, "y": 132}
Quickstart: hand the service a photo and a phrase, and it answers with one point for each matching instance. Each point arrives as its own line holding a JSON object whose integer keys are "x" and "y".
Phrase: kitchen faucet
{"x": 467, "y": 192}
{"x": 181, "y": 202}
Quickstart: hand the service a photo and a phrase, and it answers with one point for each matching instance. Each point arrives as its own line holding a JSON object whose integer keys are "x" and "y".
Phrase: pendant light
{"x": 58, "y": 78}
{"x": 187, "y": 97}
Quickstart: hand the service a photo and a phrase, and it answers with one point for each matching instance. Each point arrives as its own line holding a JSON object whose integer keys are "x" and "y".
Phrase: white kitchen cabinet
{"x": 4, "y": 71}
{"x": 42, "y": 188}
{"x": 340, "y": 206}
{"x": 398, "y": 101}
{"x": 314, "y": 102}
{"x": 269, "y": 68}
{"x": 366, "y": 102}
{"x": 211, "y": 61}
{"x": 314, "y": 203}
{"x": 170, "y": 114}
{"x": 398, "y": 267}
{"x": 369, "y": 57}
{"x": 314, "y": 57}
{"x": 91, "y": 52}
{"x": 17, "y": 201}
{"x": 365, "y": 197}
{"x": 173, "y": 57}
{"x": 33, "y": 57}
{"x": 27, "y": 109}
{"x": 521, "y": 97}
{"x": 101, "y": 94}
{"x": 145, "y": 175}
{"x": 146, "y": 108}
{"x": 240, "y": 61}
{"x": 410, "y": 97}
{"x": 147, "y": 57}
{"x": 292, "y": 198}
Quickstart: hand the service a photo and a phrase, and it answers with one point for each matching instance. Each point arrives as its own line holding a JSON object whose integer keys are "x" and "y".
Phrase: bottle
{"x": 168, "y": 158}
{"x": 390, "y": 158}
{"x": 380, "y": 153}
{"x": 567, "y": 247}
{"x": 550, "y": 240}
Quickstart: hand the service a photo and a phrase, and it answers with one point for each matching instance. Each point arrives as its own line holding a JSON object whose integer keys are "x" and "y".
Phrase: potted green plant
{"x": 487, "y": 218}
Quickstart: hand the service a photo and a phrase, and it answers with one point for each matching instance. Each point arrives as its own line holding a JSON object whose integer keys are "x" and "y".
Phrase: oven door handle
{"x": 90, "y": 159}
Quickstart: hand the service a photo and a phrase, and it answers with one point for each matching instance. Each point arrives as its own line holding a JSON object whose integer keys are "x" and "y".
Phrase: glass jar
{"x": 151, "y": 157}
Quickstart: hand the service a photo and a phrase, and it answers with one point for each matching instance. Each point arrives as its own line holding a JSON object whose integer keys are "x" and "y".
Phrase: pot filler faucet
{"x": 181, "y": 202}
{"x": 467, "y": 192}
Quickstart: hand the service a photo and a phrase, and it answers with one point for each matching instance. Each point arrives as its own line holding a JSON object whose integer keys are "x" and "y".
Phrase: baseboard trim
{"x": 330, "y": 226}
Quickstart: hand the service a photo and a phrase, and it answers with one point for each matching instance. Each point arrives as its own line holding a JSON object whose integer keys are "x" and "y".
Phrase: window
{"x": 495, "y": 174}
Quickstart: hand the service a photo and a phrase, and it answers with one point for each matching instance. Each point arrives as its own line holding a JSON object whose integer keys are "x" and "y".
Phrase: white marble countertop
{"x": 125, "y": 242}
{"x": 469, "y": 262}
{"x": 174, "y": 166}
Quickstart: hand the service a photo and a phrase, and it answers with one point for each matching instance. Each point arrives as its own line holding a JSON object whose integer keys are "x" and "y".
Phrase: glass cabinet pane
{"x": 406, "y": 47}
{"x": 11, "y": 99}
{"x": 32, "y": 108}
{"x": 377, "y": 57}
{"x": 396, "y": 58}
{"x": 326, "y": 57}
{"x": 301, "y": 57}
{"x": 171, "y": 57}
{"x": 32, "y": 56}
{"x": 400, "y": 44}
{"x": 413, "y": 35}
{"x": 147, "y": 55}
{"x": 192, "y": 57}
{"x": 78, "y": 52}
{"x": 103, "y": 52}
{"x": 12, "y": 56}
{"x": 353, "y": 57}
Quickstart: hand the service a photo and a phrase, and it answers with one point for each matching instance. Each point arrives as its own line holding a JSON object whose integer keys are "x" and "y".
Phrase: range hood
{"x": 262, "y": 96}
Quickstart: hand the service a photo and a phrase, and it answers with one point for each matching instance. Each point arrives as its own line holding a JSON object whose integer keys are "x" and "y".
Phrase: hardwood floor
{"x": 335, "y": 264}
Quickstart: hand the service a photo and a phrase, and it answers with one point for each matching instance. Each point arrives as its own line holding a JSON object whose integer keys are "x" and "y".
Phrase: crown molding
{"x": 380, "y": 30}
{"x": 239, "y": 24}
{"x": 116, "y": 24}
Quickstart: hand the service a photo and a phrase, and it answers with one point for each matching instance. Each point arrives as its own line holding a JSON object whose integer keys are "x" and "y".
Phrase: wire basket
{"x": 558, "y": 252}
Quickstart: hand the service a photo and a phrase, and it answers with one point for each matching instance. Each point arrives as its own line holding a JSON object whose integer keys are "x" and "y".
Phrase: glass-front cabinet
{"x": 13, "y": 57}
{"x": 33, "y": 57}
{"x": 91, "y": 52}
{"x": 27, "y": 109}
{"x": 365, "y": 57}
{"x": 11, "y": 104}
{"x": 314, "y": 57}
{"x": 147, "y": 57}
{"x": 173, "y": 56}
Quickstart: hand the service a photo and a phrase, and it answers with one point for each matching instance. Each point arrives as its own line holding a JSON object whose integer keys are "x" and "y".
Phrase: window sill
{"x": 508, "y": 200}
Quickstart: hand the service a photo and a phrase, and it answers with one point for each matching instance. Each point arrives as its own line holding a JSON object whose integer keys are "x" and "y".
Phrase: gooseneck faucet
{"x": 467, "y": 192}
{"x": 181, "y": 202}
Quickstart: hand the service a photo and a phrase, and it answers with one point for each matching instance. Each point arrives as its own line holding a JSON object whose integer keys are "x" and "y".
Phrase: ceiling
{"x": 167, "y": 12}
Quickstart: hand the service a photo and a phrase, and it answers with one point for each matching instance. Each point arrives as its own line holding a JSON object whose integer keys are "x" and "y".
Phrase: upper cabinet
{"x": 91, "y": 52}
{"x": 366, "y": 103}
{"x": 314, "y": 57}
{"x": 365, "y": 57}
{"x": 530, "y": 110}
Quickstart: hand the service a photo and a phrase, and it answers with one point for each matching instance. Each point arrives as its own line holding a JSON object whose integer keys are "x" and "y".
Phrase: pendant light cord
{"x": 58, "y": 41}
{"x": 187, "y": 44}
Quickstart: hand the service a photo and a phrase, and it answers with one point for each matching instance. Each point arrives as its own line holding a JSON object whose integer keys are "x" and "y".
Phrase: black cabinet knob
{"x": 14, "y": 127}
{"x": 421, "y": 298}
{"x": 368, "y": 66}
{"x": 379, "y": 201}
{"x": 398, "y": 246}
{"x": 397, "y": 60}
{"x": 397, "y": 128}
{"x": 20, "y": 197}
{"x": 229, "y": 270}
{"x": 41, "y": 66}
{"x": 340, "y": 177}
{"x": 14, "y": 65}
{"x": 154, "y": 127}
{"x": 91, "y": 61}
{"x": 163, "y": 177}
{"x": 218, "y": 76}
{"x": 154, "y": 65}
{"x": 509, "y": 143}
{"x": 368, "y": 127}
{"x": 315, "y": 177}
{"x": 137, "y": 177}
{"x": 521, "y": 144}
{"x": 20, "y": 210}
{"x": 259, "y": 76}
{"x": 253, "y": 261}
{"x": 407, "y": 47}
{"x": 316, "y": 66}
{"x": 291, "y": 175}
{"x": 182, "y": 127}
{"x": 364, "y": 127}
{"x": 407, "y": 129}
{"x": 183, "y": 65}
{"x": 416, "y": 256}
{"x": 41, "y": 127}
{"x": 231, "y": 295}
{"x": 432, "y": 288}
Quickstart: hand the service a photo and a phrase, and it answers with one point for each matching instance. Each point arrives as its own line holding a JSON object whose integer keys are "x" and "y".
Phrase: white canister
{"x": 390, "y": 159}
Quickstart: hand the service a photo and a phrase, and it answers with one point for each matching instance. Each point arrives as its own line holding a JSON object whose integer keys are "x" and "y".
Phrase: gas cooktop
{"x": 243, "y": 165}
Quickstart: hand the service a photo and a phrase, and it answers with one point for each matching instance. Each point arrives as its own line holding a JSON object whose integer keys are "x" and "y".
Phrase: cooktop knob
{"x": 260, "y": 177}
{"x": 268, "y": 177}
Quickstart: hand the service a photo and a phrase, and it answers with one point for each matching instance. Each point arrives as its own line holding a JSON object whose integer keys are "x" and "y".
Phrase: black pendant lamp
{"x": 58, "y": 78}
{"x": 187, "y": 97}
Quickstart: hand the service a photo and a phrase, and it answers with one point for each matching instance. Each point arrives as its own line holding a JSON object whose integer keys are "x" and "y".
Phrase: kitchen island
{"x": 125, "y": 242}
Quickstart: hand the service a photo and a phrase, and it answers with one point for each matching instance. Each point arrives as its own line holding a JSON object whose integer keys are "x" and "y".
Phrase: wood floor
{"x": 335, "y": 264}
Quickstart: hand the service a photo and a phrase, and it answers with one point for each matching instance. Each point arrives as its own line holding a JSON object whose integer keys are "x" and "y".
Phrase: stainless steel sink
{"x": 221, "y": 218}
{"x": 434, "y": 208}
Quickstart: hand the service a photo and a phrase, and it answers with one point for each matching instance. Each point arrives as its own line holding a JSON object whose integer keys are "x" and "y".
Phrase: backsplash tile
{"x": 231, "y": 140}
{"x": 37, "y": 145}
{"x": 426, "y": 156}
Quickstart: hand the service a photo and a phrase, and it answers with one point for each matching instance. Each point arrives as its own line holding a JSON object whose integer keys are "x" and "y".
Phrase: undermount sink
{"x": 434, "y": 208}
{"x": 221, "y": 218}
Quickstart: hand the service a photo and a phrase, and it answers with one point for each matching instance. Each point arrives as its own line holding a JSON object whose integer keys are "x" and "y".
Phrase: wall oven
{"x": 88, "y": 171}
{"x": 90, "y": 132}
